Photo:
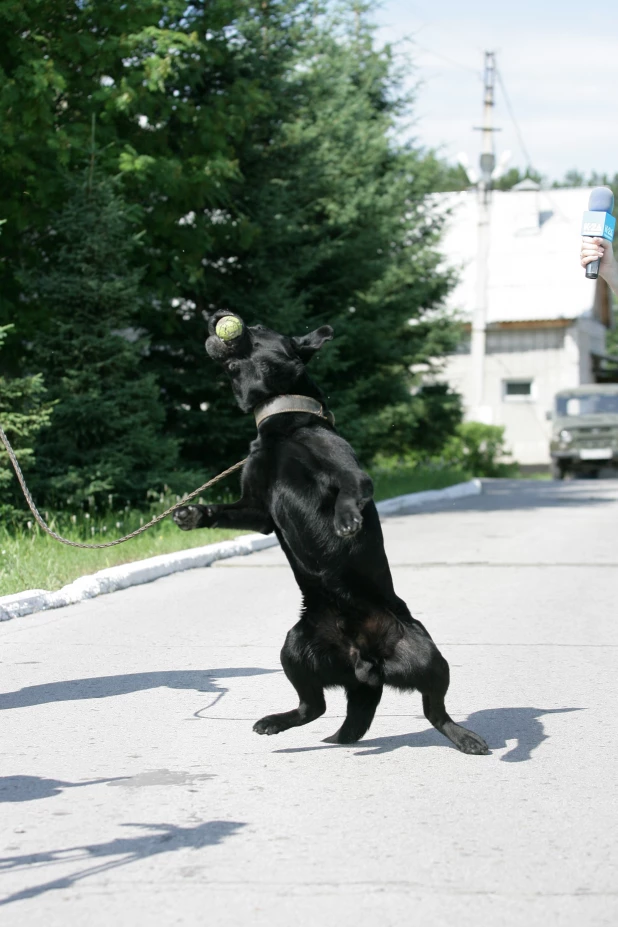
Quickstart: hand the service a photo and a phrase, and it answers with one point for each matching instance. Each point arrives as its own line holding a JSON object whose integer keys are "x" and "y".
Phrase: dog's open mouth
{"x": 227, "y": 336}
{"x": 229, "y": 328}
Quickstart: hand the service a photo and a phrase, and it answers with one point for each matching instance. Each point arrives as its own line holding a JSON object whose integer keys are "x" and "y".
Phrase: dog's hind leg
{"x": 306, "y": 682}
{"x": 362, "y": 703}
{"x": 418, "y": 664}
{"x": 433, "y": 689}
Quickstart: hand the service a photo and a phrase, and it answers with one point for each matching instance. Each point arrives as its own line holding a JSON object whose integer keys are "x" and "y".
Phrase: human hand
{"x": 594, "y": 248}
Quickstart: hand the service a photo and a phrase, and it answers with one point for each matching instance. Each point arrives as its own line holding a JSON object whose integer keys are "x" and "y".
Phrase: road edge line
{"x": 125, "y": 575}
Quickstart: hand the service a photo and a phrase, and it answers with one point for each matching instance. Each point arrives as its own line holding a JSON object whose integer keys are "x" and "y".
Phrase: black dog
{"x": 303, "y": 481}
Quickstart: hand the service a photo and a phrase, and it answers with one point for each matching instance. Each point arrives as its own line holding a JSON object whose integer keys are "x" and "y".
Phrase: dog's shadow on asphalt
{"x": 498, "y": 726}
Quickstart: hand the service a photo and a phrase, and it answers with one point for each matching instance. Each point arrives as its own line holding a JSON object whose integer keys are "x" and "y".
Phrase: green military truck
{"x": 584, "y": 430}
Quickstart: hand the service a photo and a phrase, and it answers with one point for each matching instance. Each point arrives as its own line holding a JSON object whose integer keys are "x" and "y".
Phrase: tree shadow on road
{"x": 33, "y": 788}
{"x": 159, "y": 838}
{"x": 497, "y": 725}
{"x": 107, "y": 686}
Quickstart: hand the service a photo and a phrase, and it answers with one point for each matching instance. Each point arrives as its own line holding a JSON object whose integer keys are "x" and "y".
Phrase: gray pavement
{"x": 133, "y": 791}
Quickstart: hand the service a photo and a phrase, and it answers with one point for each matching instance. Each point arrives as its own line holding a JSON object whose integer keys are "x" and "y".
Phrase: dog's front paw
{"x": 348, "y": 521}
{"x": 192, "y": 516}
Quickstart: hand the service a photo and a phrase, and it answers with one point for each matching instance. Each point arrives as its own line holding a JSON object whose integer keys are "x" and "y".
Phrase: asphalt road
{"x": 133, "y": 791}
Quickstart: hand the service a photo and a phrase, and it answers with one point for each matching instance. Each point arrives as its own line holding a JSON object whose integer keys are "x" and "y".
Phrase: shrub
{"x": 480, "y": 450}
{"x": 473, "y": 450}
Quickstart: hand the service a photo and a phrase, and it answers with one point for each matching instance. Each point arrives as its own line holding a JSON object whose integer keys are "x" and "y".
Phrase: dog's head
{"x": 262, "y": 363}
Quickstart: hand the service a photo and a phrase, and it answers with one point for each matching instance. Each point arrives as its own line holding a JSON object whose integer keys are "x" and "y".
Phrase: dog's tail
{"x": 368, "y": 670}
{"x": 374, "y": 643}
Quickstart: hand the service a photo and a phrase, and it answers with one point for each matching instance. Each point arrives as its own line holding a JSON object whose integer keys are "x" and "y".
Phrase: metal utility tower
{"x": 487, "y": 163}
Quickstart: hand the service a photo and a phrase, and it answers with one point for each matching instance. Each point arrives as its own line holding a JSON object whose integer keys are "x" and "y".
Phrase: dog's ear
{"x": 306, "y": 345}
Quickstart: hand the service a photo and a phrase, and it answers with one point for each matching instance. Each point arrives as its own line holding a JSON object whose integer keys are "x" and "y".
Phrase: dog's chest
{"x": 257, "y": 475}
{"x": 281, "y": 468}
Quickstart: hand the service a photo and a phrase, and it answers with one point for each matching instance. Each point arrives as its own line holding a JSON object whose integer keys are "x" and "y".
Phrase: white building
{"x": 545, "y": 322}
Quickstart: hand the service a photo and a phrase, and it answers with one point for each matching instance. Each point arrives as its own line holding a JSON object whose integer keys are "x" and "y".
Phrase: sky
{"x": 559, "y": 66}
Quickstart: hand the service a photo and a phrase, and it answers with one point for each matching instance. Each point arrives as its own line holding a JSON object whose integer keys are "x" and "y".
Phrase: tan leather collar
{"x": 291, "y": 404}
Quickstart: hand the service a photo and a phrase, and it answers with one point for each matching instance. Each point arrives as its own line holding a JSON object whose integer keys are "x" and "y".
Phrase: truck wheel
{"x": 558, "y": 470}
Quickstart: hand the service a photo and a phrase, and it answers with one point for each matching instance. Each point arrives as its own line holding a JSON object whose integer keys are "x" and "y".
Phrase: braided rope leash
{"x": 127, "y": 537}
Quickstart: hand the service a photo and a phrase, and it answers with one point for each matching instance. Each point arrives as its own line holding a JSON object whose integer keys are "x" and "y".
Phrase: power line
{"x": 520, "y": 137}
{"x": 522, "y": 144}
{"x": 457, "y": 64}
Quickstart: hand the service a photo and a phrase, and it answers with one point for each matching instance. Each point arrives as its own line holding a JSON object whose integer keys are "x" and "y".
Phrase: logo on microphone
{"x": 599, "y": 224}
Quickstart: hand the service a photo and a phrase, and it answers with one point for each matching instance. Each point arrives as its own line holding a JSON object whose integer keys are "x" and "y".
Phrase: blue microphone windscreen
{"x": 601, "y": 200}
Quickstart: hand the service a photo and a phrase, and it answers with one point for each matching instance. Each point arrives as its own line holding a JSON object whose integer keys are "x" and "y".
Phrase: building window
{"x": 463, "y": 346}
{"x": 514, "y": 390}
{"x": 500, "y": 341}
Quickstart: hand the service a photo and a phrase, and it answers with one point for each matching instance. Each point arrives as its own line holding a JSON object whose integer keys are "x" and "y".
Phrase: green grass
{"x": 29, "y": 559}
{"x": 404, "y": 479}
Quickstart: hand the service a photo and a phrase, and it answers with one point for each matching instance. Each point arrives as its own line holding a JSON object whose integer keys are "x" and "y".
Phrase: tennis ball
{"x": 228, "y": 328}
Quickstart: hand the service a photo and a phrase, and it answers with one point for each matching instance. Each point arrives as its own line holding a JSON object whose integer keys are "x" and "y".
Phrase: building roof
{"x": 597, "y": 388}
{"x": 533, "y": 267}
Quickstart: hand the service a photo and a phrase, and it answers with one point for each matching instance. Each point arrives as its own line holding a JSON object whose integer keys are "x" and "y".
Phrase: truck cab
{"x": 584, "y": 430}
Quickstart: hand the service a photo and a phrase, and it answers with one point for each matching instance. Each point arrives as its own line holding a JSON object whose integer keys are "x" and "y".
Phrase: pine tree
{"x": 105, "y": 434}
{"x": 164, "y": 80}
{"x": 174, "y": 89}
{"x": 24, "y": 410}
{"x": 379, "y": 278}
{"x": 328, "y": 221}
{"x": 259, "y": 141}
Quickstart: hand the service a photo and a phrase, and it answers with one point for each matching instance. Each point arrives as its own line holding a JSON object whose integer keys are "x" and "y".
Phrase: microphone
{"x": 598, "y": 222}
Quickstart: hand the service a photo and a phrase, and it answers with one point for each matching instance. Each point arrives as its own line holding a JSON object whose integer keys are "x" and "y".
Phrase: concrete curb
{"x": 146, "y": 571}
{"x": 402, "y": 505}
{"x": 130, "y": 574}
